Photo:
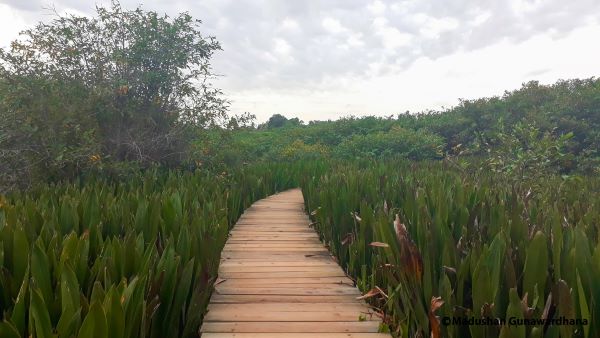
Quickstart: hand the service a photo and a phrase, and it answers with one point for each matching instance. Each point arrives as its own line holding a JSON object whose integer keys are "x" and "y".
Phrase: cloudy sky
{"x": 330, "y": 58}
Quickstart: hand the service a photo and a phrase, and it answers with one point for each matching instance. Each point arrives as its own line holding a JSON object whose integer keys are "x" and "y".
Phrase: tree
{"x": 276, "y": 121}
{"x": 526, "y": 154}
{"x": 132, "y": 81}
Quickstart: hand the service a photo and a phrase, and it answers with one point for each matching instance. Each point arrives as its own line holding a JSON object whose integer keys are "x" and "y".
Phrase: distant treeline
{"x": 560, "y": 122}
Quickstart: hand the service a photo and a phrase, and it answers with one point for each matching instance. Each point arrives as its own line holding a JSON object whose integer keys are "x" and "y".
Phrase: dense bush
{"x": 124, "y": 85}
{"x": 398, "y": 142}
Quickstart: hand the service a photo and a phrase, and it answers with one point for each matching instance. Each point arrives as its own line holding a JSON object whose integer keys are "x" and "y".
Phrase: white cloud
{"x": 391, "y": 37}
{"x": 432, "y": 27}
{"x": 521, "y": 7}
{"x": 11, "y": 23}
{"x": 333, "y": 26}
{"x": 282, "y": 47}
{"x": 377, "y": 7}
{"x": 290, "y": 24}
{"x": 355, "y": 40}
{"x": 481, "y": 18}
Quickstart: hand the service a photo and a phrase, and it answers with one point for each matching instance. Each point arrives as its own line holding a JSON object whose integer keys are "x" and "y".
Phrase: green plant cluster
{"x": 529, "y": 125}
{"x": 127, "y": 258}
{"x": 464, "y": 244}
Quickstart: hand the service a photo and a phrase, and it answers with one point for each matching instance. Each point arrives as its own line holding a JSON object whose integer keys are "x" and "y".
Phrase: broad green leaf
{"x": 40, "y": 272}
{"x": 181, "y": 295}
{"x": 39, "y": 315}
{"x": 70, "y": 296}
{"x": 566, "y": 307}
{"x": 94, "y": 324}
{"x": 19, "y": 312}
{"x": 583, "y": 306}
{"x": 20, "y": 254}
{"x": 514, "y": 312}
{"x": 536, "y": 265}
{"x": 115, "y": 316}
{"x": 7, "y": 330}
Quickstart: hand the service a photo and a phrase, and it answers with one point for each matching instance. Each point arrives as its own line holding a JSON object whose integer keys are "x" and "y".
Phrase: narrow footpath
{"x": 277, "y": 280}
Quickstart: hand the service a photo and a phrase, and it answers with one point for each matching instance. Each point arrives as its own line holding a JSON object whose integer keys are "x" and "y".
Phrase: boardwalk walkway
{"x": 276, "y": 280}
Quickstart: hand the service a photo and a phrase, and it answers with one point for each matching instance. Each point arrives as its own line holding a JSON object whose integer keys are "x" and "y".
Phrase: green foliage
{"x": 280, "y": 121}
{"x": 347, "y": 138}
{"x": 566, "y": 107}
{"x": 124, "y": 258}
{"x": 526, "y": 133}
{"x": 124, "y": 85}
{"x": 526, "y": 153}
{"x": 397, "y": 142}
{"x": 298, "y": 150}
{"x": 488, "y": 245}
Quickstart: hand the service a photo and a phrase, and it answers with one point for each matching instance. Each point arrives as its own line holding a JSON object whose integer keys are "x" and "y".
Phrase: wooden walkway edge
{"x": 276, "y": 279}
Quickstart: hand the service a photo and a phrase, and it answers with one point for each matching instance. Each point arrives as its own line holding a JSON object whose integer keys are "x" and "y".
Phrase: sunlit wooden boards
{"x": 276, "y": 279}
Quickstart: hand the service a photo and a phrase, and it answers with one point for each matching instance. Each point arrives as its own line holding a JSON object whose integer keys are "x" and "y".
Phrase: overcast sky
{"x": 330, "y": 58}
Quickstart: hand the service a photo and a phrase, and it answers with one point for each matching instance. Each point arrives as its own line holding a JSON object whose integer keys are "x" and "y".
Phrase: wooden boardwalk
{"x": 276, "y": 279}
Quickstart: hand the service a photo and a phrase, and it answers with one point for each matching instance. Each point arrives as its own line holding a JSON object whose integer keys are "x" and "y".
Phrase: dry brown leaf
{"x": 373, "y": 292}
{"x": 348, "y": 239}
{"x": 434, "y": 322}
{"x": 409, "y": 253}
{"x": 381, "y": 292}
{"x": 379, "y": 244}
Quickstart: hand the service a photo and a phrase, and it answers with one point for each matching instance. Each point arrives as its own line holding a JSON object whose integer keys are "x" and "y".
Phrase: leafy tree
{"x": 276, "y": 121}
{"x": 123, "y": 85}
{"x": 526, "y": 153}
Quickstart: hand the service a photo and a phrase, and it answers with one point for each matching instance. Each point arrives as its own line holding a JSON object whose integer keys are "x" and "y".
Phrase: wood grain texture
{"x": 276, "y": 279}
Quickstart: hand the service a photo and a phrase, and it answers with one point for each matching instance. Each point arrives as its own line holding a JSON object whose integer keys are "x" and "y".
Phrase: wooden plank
{"x": 280, "y": 249}
{"x": 230, "y": 299}
{"x": 230, "y": 315}
{"x": 280, "y": 261}
{"x": 273, "y": 233}
{"x": 283, "y": 274}
{"x": 289, "y": 263}
{"x": 259, "y": 230}
{"x": 239, "y": 283}
{"x": 279, "y": 222}
{"x": 281, "y": 236}
{"x": 295, "y": 335}
{"x": 300, "y": 241}
{"x": 294, "y": 280}
{"x": 291, "y": 327}
{"x": 271, "y": 256}
{"x": 288, "y": 290}
{"x": 273, "y": 245}
{"x": 322, "y": 282}
{"x": 263, "y": 226}
{"x": 285, "y": 241}
{"x": 274, "y": 216}
{"x": 291, "y": 307}
{"x": 317, "y": 268}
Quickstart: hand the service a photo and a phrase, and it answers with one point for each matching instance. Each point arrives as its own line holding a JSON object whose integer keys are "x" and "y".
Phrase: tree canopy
{"x": 123, "y": 84}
